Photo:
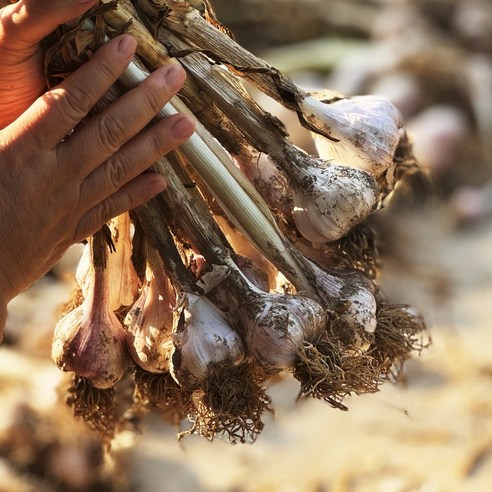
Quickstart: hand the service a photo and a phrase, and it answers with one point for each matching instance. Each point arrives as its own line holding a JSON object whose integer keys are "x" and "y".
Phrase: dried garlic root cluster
{"x": 255, "y": 262}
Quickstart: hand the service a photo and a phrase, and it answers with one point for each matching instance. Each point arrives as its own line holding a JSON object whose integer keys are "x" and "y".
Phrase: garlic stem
{"x": 155, "y": 55}
{"x": 159, "y": 236}
{"x": 328, "y": 205}
{"x": 240, "y": 207}
{"x": 185, "y": 21}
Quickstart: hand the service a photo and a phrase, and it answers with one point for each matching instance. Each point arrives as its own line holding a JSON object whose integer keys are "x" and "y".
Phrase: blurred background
{"x": 430, "y": 433}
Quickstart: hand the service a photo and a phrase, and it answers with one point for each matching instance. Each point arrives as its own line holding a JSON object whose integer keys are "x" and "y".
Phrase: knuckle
{"x": 153, "y": 101}
{"x": 155, "y": 147}
{"x": 76, "y": 103}
{"x": 110, "y": 133}
{"x": 108, "y": 72}
{"x": 9, "y": 28}
{"x": 114, "y": 205}
{"x": 106, "y": 211}
{"x": 117, "y": 171}
{"x": 128, "y": 200}
{"x": 159, "y": 145}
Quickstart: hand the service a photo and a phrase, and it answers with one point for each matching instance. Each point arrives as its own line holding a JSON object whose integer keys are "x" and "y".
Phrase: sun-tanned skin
{"x": 55, "y": 192}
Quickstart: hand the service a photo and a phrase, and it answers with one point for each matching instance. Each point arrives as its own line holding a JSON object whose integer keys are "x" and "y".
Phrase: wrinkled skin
{"x": 56, "y": 191}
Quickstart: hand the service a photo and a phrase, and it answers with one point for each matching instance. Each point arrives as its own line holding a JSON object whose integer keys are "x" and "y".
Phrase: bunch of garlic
{"x": 224, "y": 297}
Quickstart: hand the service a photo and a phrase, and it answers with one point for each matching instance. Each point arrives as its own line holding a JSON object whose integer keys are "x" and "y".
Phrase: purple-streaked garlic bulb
{"x": 90, "y": 340}
{"x": 268, "y": 180}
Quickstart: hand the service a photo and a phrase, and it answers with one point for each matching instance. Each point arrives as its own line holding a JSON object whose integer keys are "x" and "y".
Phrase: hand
{"x": 22, "y": 26}
{"x": 56, "y": 191}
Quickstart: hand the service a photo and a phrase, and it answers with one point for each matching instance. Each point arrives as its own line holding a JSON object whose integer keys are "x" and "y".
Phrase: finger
{"x": 27, "y": 22}
{"x": 135, "y": 193}
{"x": 103, "y": 135}
{"x": 134, "y": 158}
{"x": 59, "y": 110}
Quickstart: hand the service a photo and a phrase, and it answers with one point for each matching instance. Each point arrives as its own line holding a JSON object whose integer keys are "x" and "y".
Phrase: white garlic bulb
{"x": 276, "y": 326}
{"x": 351, "y": 294}
{"x": 332, "y": 201}
{"x": 203, "y": 337}
{"x": 361, "y": 309}
{"x": 367, "y": 128}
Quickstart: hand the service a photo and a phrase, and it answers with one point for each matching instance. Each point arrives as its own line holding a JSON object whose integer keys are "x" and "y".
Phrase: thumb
{"x": 26, "y": 22}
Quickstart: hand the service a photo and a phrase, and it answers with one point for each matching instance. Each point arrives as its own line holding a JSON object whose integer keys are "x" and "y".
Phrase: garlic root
{"x": 160, "y": 393}
{"x": 96, "y": 407}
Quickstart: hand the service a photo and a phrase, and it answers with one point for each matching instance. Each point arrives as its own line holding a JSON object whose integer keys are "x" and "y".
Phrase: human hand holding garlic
{"x": 56, "y": 190}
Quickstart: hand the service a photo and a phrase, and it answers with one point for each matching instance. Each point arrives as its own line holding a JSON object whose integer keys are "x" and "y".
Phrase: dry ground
{"x": 432, "y": 433}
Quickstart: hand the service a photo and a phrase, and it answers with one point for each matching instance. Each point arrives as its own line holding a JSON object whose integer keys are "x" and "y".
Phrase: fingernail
{"x": 127, "y": 45}
{"x": 174, "y": 76}
{"x": 183, "y": 128}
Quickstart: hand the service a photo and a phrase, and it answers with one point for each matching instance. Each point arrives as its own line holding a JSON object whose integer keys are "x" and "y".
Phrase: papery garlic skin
{"x": 269, "y": 181}
{"x": 85, "y": 271}
{"x": 282, "y": 324}
{"x": 361, "y": 309}
{"x": 351, "y": 295}
{"x": 333, "y": 201}
{"x": 148, "y": 325}
{"x": 124, "y": 282}
{"x": 202, "y": 337}
{"x": 367, "y": 128}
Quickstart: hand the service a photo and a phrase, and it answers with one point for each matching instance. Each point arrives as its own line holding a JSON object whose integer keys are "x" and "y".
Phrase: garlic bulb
{"x": 203, "y": 338}
{"x": 332, "y": 201}
{"x": 276, "y": 326}
{"x": 361, "y": 307}
{"x": 124, "y": 283}
{"x": 269, "y": 181}
{"x": 367, "y": 128}
{"x": 352, "y": 296}
{"x": 148, "y": 325}
{"x": 90, "y": 340}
